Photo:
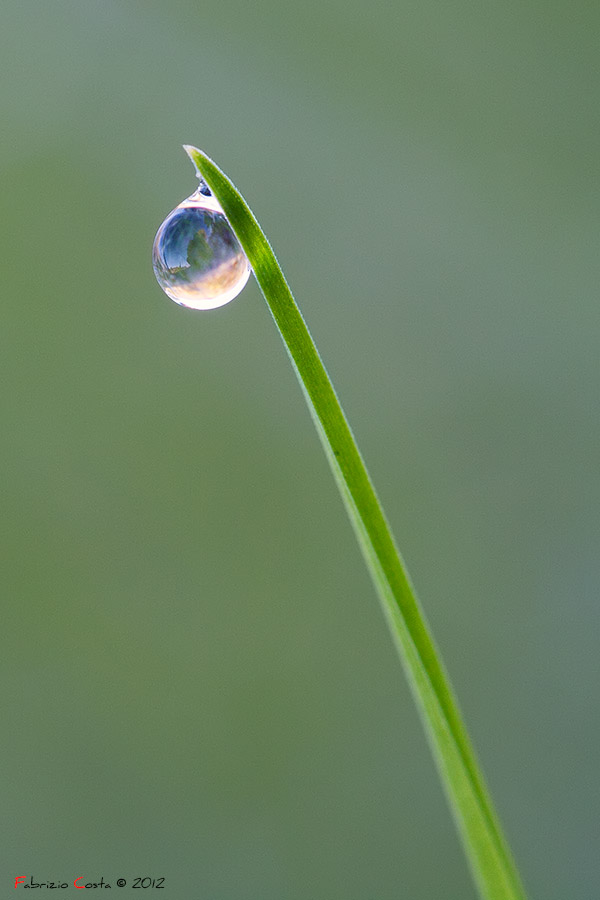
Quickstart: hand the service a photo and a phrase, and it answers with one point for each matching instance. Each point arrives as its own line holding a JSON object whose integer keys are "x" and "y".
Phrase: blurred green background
{"x": 197, "y": 682}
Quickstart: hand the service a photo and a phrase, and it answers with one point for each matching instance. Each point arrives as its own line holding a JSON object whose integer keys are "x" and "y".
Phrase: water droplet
{"x": 197, "y": 259}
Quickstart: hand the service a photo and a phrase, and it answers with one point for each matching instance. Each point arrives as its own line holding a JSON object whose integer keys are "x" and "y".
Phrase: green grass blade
{"x": 486, "y": 849}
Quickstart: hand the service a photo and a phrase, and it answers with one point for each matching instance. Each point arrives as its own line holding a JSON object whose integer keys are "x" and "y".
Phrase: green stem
{"x": 486, "y": 849}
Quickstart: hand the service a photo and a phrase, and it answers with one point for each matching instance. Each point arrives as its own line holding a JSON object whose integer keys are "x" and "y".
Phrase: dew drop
{"x": 197, "y": 259}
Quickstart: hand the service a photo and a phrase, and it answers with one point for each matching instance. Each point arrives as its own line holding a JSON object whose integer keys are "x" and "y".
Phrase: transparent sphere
{"x": 197, "y": 259}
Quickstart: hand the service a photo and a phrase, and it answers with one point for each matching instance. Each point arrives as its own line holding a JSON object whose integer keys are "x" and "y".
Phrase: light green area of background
{"x": 196, "y": 680}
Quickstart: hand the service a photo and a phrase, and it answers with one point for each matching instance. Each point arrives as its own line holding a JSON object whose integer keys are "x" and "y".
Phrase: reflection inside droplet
{"x": 197, "y": 259}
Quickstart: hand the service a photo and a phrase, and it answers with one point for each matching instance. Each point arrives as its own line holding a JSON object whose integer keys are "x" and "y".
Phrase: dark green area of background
{"x": 196, "y": 680}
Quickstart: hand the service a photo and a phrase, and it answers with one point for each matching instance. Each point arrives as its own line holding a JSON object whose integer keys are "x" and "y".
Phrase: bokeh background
{"x": 197, "y": 682}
